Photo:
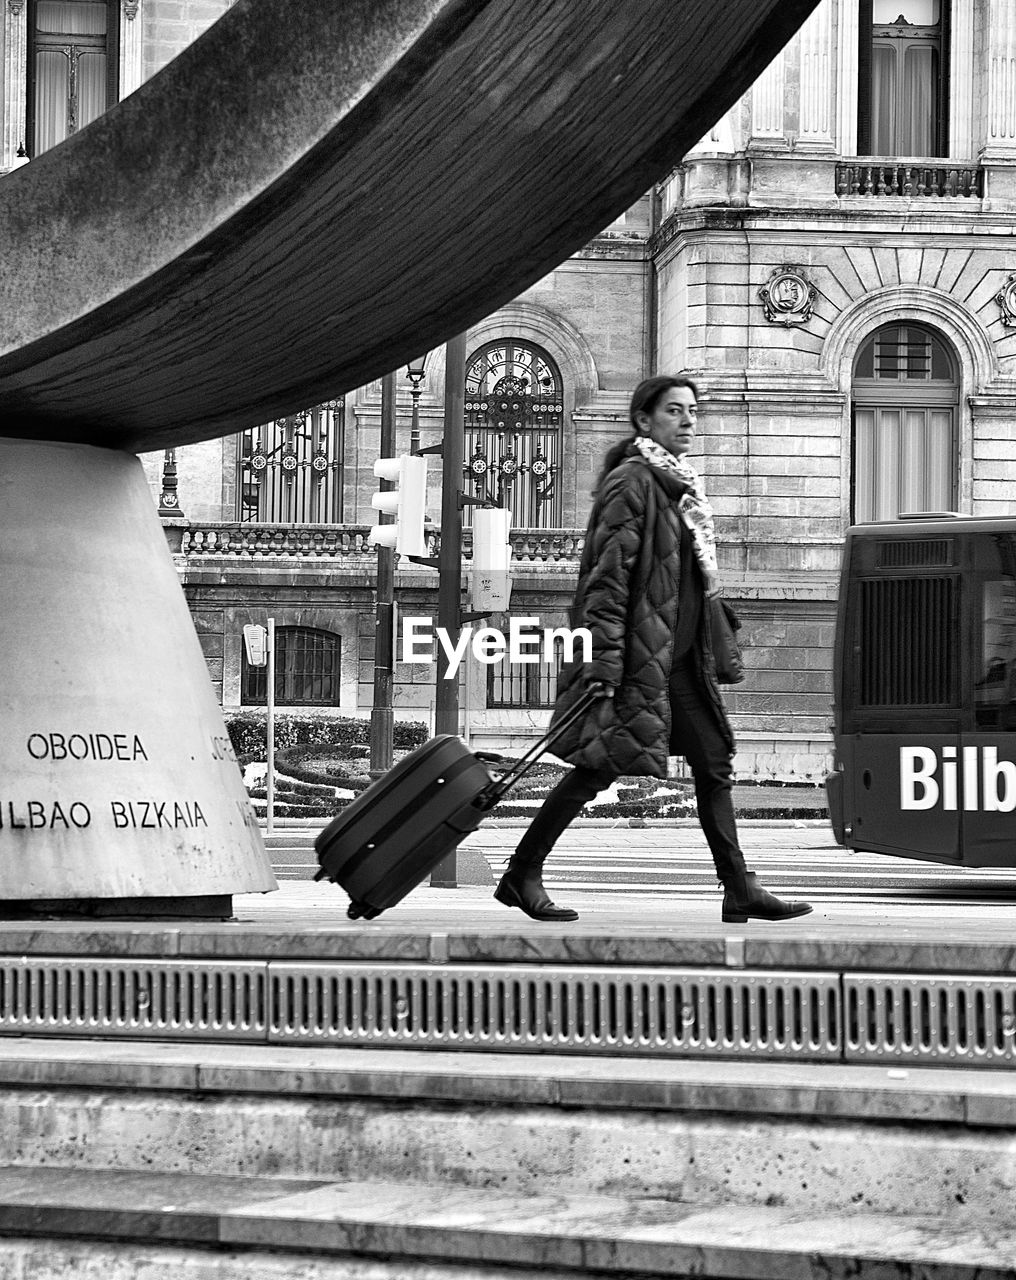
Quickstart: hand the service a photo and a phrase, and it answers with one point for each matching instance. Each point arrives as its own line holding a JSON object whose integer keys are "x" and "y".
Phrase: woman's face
{"x": 672, "y": 421}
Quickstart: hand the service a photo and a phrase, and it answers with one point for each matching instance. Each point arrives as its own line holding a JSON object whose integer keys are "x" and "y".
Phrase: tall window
{"x": 514, "y": 409}
{"x": 290, "y": 471}
{"x": 903, "y": 78}
{"x": 905, "y": 400}
{"x": 307, "y": 670}
{"x": 73, "y": 67}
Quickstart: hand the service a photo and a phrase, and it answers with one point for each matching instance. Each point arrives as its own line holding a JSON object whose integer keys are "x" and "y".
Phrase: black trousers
{"x": 696, "y": 735}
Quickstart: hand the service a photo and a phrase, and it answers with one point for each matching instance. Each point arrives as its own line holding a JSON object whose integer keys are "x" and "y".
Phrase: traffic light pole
{"x": 449, "y": 591}
{"x": 382, "y": 717}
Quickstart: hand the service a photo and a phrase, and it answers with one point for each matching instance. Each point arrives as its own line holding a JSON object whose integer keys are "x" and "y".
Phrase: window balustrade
{"x": 268, "y": 541}
{"x": 911, "y": 181}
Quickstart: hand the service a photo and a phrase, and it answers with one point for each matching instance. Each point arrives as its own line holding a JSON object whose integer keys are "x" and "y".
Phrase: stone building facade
{"x": 835, "y": 265}
{"x": 836, "y": 259}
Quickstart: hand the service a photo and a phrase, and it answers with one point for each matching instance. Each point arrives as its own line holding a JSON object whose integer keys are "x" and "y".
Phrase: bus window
{"x": 994, "y": 673}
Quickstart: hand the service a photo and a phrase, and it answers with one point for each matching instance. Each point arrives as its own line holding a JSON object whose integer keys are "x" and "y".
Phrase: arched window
{"x": 514, "y": 409}
{"x": 72, "y": 67}
{"x": 905, "y": 401}
{"x": 307, "y": 670}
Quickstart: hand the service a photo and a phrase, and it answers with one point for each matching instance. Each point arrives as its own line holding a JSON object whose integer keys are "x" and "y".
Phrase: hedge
{"x": 248, "y": 731}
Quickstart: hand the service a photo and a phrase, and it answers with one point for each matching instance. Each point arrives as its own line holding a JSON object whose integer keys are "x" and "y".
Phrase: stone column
{"x": 131, "y": 66}
{"x": 962, "y": 138}
{"x": 15, "y": 73}
{"x": 998, "y": 106}
{"x": 1000, "y": 80}
{"x": 846, "y": 79}
{"x": 817, "y": 52}
{"x": 768, "y": 118}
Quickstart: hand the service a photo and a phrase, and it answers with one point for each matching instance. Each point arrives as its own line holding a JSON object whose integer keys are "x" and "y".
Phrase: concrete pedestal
{"x": 118, "y": 783}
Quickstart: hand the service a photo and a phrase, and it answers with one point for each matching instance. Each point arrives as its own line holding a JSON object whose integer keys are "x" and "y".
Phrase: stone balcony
{"x": 910, "y": 179}
{"x": 231, "y": 540}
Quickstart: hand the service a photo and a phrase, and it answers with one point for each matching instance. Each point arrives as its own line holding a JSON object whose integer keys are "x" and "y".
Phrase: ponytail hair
{"x": 644, "y": 400}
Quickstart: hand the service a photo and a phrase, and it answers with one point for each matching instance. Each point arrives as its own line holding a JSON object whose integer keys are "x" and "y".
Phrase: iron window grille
{"x": 307, "y": 670}
{"x": 290, "y": 470}
{"x": 531, "y": 685}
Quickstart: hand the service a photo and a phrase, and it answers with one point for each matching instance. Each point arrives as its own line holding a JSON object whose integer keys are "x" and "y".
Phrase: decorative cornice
{"x": 15, "y": 6}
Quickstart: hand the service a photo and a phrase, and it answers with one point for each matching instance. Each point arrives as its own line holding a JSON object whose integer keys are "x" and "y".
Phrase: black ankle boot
{"x": 522, "y": 887}
{"x": 744, "y": 898}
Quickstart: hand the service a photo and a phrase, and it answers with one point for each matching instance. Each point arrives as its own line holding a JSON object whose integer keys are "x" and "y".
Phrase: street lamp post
{"x": 169, "y": 501}
{"x": 416, "y": 371}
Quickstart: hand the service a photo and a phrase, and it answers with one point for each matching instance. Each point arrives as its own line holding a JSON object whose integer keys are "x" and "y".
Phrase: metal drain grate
{"x": 156, "y": 999}
{"x": 930, "y": 1018}
{"x": 545, "y": 1008}
{"x": 723, "y": 1013}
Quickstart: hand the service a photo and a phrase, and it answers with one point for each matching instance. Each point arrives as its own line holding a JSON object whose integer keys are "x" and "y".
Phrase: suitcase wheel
{"x": 359, "y": 910}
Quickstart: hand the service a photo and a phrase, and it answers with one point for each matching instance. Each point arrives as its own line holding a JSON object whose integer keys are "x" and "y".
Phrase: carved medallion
{"x": 788, "y": 297}
{"x": 1006, "y": 299}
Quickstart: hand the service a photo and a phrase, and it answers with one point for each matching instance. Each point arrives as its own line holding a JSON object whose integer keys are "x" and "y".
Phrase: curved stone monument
{"x": 290, "y": 209}
{"x": 119, "y": 781}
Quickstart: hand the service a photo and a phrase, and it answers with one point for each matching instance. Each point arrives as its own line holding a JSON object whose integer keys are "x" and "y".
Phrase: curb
{"x": 812, "y": 820}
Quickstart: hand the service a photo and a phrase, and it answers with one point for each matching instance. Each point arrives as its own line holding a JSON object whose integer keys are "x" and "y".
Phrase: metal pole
{"x": 270, "y": 676}
{"x": 382, "y": 717}
{"x": 414, "y": 431}
{"x": 449, "y": 594}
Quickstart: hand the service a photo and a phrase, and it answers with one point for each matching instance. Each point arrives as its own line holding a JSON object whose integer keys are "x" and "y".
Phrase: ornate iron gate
{"x": 290, "y": 470}
{"x": 514, "y": 409}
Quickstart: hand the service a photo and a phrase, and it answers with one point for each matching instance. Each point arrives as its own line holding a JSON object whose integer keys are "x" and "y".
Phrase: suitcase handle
{"x": 525, "y": 762}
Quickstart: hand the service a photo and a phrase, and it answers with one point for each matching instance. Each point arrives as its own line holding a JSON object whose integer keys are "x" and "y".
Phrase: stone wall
{"x": 169, "y": 26}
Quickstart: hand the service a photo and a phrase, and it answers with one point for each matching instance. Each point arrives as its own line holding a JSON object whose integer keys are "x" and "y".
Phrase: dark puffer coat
{"x": 627, "y": 596}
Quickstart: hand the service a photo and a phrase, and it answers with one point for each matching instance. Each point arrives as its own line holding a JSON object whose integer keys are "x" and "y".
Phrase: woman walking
{"x": 648, "y": 564}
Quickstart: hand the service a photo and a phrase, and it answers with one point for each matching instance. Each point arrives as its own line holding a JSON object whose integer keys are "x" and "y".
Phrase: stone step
{"x": 821, "y": 1091}
{"x": 463, "y": 1231}
{"x": 807, "y": 1137}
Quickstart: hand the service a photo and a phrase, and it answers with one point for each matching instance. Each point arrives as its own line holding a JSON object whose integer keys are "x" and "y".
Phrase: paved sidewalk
{"x": 857, "y": 896}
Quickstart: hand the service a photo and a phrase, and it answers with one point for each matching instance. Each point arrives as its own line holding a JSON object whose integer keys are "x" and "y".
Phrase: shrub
{"x": 248, "y": 732}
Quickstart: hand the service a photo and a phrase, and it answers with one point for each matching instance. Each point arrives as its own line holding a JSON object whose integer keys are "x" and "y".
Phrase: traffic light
{"x": 407, "y": 503}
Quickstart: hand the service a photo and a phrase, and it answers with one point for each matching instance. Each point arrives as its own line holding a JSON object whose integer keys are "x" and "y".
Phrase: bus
{"x": 924, "y": 727}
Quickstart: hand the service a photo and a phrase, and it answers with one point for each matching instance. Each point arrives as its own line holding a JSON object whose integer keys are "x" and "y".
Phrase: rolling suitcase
{"x": 390, "y": 838}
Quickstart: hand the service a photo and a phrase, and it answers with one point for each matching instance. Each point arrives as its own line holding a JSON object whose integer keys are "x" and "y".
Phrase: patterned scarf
{"x": 694, "y": 508}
